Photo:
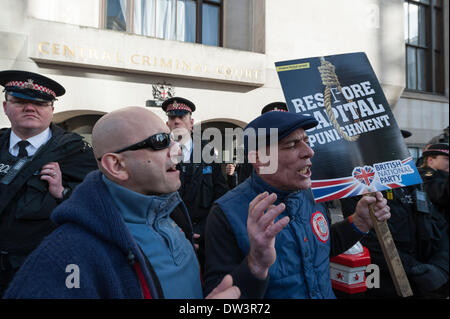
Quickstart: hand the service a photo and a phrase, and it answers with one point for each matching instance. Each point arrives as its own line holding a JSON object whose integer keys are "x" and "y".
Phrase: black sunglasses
{"x": 156, "y": 142}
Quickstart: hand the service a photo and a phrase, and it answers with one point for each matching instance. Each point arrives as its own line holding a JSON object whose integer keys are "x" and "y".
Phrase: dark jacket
{"x": 93, "y": 236}
{"x": 435, "y": 183}
{"x": 201, "y": 185}
{"x": 25, "y": 203}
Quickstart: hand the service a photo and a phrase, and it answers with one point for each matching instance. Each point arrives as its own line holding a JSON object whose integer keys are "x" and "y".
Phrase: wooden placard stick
{"x": 390, "y": 253}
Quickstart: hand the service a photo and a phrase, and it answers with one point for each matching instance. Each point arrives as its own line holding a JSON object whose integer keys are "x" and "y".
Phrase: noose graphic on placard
{"x": 330, "y": 79}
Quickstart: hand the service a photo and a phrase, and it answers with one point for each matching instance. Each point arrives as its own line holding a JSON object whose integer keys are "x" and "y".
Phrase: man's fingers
{"x": 51, "y": 165}
{"x": 225, "y": 290}
{"x": 380, "y": 207}
{"x": 368, "y": 200}
{"x": 272, "y": 213}
{"x": 231, "y": 293}
{"x": 47, "y": 178}
{"x": 383, "y": 214}
{"x": 261, "y": 206}
{"x": 49, "y": 172}
{"x": 51, "y": 169}
{"x": 378, "y": 201}
{"x": 381, "y": 204}
{"x": 256, "y": 200}
{"x": 274, "y": 229}
{"x": 379, "y": 196}
{"x": 384, "y": 217}
{"x": 265, "y": 203}
{"x": 226, "y": 283}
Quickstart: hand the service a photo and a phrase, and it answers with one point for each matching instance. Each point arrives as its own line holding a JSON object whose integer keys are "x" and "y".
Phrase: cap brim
{"x": 26, "y": 96}
{"x": 177, "y": 112}
{"x": 306, "y": 125}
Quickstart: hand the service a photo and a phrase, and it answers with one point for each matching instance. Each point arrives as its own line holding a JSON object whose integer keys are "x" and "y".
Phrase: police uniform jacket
{"x": 420, "y": 237}
{"x": 436, "y": 185}
{"x": 25, "y": 203}
{"x": 201, "y": 184}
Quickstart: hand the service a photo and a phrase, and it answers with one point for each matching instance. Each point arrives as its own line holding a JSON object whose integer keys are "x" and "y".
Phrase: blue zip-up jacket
{"x": 92, "y": 241}
{"x": 161, "y": 239}
{"x": 301, "y": 269}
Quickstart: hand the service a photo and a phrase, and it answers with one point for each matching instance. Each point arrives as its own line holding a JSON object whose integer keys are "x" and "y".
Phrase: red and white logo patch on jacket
{"x": 320, "y": 226}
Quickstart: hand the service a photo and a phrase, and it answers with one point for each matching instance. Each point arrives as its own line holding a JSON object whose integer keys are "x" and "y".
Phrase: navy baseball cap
{"x": 30, "y": 86}
{"x": 177, "y": 106}
{"x": 284, "y": 122}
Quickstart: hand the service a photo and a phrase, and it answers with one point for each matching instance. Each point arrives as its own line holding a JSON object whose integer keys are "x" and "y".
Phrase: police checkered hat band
{"x": 30, "y": 85}
{"x": 436, "y": 149}
{"x": 177, "y": 106}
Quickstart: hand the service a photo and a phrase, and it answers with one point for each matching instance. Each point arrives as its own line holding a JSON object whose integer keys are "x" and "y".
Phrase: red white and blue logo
{"x": 320, "y": 226}
{"x": 376, "y": 177}
{"x": 364, "y": 175}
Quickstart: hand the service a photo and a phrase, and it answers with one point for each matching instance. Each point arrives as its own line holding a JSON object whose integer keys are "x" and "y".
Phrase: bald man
{"x": 125, "y": 232}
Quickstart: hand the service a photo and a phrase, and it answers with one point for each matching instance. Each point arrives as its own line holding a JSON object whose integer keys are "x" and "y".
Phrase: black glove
{"x": 428, "y": 277}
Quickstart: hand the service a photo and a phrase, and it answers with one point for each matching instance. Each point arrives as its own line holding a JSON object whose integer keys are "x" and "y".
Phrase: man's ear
{"x": 115, "y": 166}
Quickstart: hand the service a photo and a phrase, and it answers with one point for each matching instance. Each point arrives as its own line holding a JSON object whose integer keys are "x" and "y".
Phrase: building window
{"x": 115, "y": 15}
{"x": 424, "y": 42}
{"x": 198, "y": 21}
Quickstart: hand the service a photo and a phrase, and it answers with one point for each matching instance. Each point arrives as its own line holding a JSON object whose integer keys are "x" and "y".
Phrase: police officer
{"x": 40, "y": 164}
{"x": 420, "y": 235}
{"x": 201, "y": 183}
{"x": 442, "y": 138}
{"x": 237, "y": 173}
{"x": 434, "y": 172}
{"x": 421, "y": 238}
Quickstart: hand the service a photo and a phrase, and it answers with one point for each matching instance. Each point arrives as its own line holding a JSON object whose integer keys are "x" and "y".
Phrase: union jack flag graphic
{"x": 343, "y": 187}
{"x": 364, "y": 174}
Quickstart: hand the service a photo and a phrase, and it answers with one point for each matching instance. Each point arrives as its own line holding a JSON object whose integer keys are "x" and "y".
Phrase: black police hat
{"x": 177, "y": 106}
{"x": 436, "y": 149}
{"x": 30, "y": 86}
{"x": 284, "y": 122}
{"x": 275, "y": 106}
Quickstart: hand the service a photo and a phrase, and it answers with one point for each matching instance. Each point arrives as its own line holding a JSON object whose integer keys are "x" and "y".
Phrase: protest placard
{"x": 358, "y": 145}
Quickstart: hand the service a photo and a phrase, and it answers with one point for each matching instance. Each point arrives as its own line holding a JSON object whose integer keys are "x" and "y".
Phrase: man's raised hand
{"x": 262, "y": 230}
